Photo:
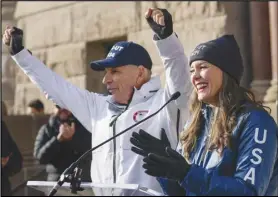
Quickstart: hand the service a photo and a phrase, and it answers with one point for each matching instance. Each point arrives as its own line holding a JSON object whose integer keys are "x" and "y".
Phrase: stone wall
{"x": 59, "y": 32}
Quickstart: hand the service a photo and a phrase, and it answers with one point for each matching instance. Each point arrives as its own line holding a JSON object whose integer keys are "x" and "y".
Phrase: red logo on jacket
{"x": 139, "y": 115}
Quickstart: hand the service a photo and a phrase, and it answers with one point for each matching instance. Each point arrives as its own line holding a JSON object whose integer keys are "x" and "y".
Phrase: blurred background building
{"x": 66, "y": 36}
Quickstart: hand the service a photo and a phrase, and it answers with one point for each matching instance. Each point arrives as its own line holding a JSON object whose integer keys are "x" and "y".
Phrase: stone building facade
{"x": 66, "y": 36}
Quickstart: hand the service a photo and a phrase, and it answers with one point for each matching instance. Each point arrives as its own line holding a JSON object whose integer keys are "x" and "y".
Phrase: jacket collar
{"x": 207, "y": 112}
{"x": 53, "y": 120}
{"x": 146, "y": 91}
{"x": 143, "y": 94}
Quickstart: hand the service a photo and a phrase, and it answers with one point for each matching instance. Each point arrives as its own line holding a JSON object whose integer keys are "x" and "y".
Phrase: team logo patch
{"x": 139, "y": 115}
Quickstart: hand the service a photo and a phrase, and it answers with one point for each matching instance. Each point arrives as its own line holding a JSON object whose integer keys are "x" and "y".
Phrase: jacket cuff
{"x": 195, "y": 180}
{"x": 169, "y": 47}
{"x": 163, "y": 184}
{"x": 21, "y": 56}
{"x": 155, "y": 37}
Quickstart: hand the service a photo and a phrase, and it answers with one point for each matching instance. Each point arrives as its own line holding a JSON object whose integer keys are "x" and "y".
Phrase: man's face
{"x": 63, "y": 114}
{"x": 120, "y": 81}
{"x": 33, "y": 111}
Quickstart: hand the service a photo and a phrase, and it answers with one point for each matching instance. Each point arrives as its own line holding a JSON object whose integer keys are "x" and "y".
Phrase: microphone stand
{"x": 76, "y": 181}
{"x": 66, "y": 176}
{"x": 72, "y": 176}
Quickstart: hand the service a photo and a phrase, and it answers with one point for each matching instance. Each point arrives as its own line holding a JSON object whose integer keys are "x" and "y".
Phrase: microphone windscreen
{"x": 175, "y": 95}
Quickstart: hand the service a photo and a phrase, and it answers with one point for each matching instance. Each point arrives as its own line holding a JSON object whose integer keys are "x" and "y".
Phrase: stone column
{"x": 8, "y": 66}
{"x": 237, "y": 19}
{"x": 260, "y": 42}
{"x": 271, "y": 96}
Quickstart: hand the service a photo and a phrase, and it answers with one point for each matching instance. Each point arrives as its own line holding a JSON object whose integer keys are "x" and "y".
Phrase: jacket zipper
{"x": 114, "y": 141}
{"x": 208, "y": 137}
{"x": 114, "y": 153}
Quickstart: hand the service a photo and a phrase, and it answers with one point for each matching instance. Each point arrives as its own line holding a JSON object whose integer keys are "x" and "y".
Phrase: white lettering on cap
{"x": 111, "y": 54}
{"x": 117, "y": 48}
{"x": 198, "y": 49}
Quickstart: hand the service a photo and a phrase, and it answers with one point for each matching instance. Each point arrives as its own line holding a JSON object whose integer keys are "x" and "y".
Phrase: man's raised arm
{"x": 176, "y": 70}
{"x": 80, "y": 102}
{"x": 172, "y": 54}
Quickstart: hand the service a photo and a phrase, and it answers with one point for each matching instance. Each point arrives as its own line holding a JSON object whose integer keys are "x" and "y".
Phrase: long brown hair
{"x": 232, "y": 100}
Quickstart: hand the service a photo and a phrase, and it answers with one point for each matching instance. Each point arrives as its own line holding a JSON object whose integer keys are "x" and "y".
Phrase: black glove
{"x": 173, "y": 167}
{"x": 162, "y": 31}
{"x": 16, "y": 41}
{"x": 145, "y": 143}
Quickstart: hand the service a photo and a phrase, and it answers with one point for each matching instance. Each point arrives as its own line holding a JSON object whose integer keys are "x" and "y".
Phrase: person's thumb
{"x": 148, "y": 13}
{"x": 164, "y": 137}
{"x": 172, "y": 153}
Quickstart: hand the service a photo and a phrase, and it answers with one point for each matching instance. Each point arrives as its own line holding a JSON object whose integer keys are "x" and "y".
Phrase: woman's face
{"x": 207, "y": 81}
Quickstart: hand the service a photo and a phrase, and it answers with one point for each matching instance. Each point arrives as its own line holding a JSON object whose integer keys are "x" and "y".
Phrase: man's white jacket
{"x": 114, "y": 162}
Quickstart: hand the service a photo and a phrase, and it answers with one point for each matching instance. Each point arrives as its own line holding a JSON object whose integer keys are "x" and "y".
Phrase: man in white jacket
{"x": 134, "y": 94}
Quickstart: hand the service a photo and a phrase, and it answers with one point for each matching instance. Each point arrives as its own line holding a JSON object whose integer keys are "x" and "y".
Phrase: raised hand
{"x": 145, "y": 143}
{"x": 13, "y": 38}
{"x": 66, "y": 132}
{"x": 160, "y": 20}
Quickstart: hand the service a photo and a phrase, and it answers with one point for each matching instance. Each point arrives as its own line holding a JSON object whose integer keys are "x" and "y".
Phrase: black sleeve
{"x": 174, "y": 189}
{"x": 81, "y": 140}
{"x": 9, "y": 148}
{"x": 46, "y": 146}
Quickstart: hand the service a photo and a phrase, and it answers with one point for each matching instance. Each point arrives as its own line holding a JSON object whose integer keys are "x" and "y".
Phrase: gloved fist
{"x": 173, "y": 167}
{"x": 160, "y": 20}
{"x": 145, "y": 143}
{"x": 13, "y": 38}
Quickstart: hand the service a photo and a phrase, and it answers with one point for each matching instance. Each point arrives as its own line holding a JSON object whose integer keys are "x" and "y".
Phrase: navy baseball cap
{"x": 124, "y": 53}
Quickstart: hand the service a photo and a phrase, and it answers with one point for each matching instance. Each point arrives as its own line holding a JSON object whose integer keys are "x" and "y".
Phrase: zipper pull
{"x": 114, "y": 120}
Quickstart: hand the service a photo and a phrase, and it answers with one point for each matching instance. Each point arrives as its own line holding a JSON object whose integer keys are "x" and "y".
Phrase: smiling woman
{"x": 216, "y": 69}
{"x": 229, "y": 144}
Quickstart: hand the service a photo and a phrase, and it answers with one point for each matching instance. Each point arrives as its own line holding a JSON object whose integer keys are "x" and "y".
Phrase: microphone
{"x": 175, "y": 96}
{"x": 76, "y": 163}
{"x": 58, "y": 185}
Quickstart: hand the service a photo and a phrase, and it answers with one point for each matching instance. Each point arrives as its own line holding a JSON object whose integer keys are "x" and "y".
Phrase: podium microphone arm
{"x": 74, "y": 164}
